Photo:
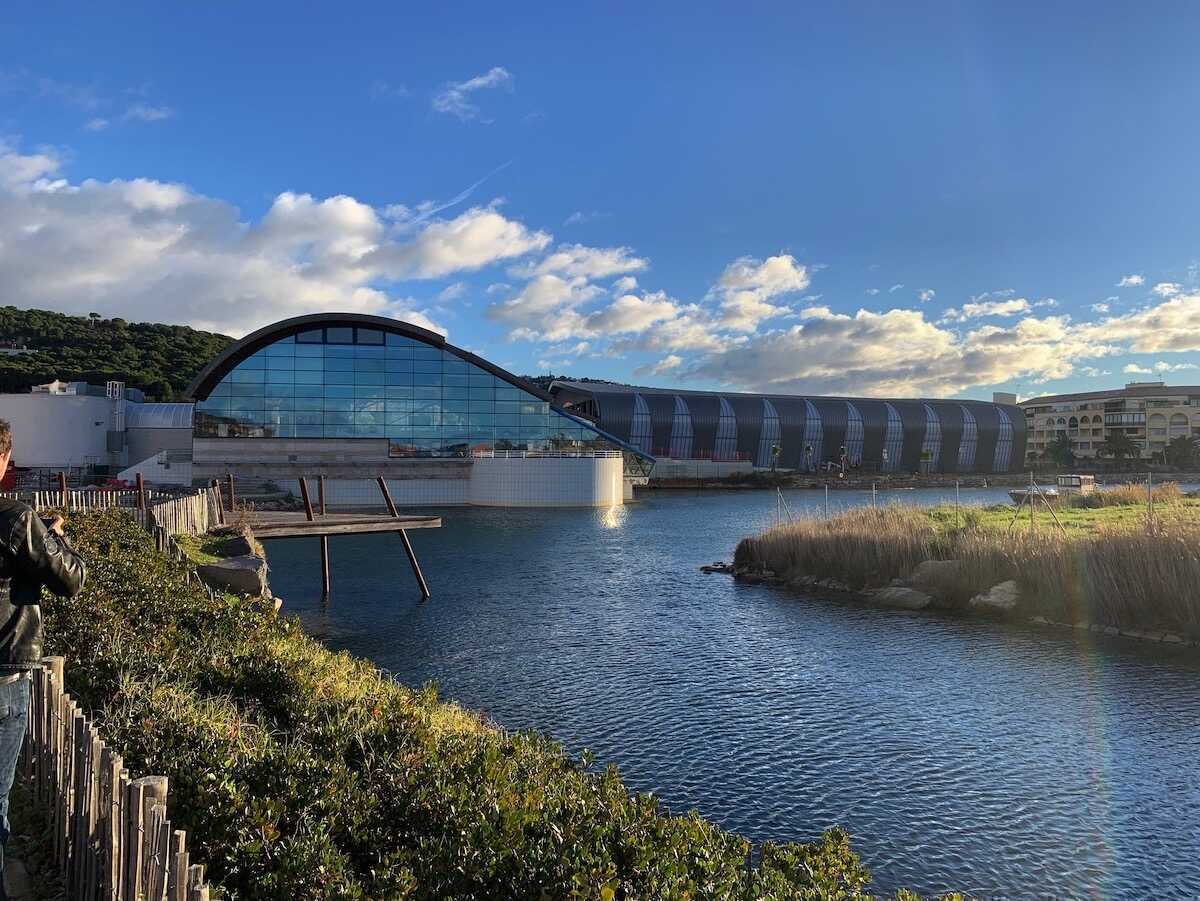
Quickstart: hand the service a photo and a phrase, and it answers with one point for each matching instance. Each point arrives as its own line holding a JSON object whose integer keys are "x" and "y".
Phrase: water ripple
{"x": 1003, "y": 761}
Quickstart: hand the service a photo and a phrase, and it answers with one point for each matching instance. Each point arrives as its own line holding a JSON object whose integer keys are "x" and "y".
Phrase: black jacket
{"x": 30, "y": 556}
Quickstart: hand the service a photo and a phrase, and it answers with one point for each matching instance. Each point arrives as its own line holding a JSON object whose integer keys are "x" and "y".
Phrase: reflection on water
{"x": 992, "y": 759}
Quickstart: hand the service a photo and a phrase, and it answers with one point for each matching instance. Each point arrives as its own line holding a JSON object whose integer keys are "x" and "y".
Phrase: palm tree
{"x": 1061, "y": 451}
{"x": 1181, "y": 452}
{"x": 1117, "y": 445}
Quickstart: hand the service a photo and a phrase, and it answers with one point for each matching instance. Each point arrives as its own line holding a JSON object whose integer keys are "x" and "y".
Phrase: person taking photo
{"x": 33, "y": 555}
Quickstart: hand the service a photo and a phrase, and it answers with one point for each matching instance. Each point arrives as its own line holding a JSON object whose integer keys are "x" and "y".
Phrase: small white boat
{"x": 1020, "y": 494}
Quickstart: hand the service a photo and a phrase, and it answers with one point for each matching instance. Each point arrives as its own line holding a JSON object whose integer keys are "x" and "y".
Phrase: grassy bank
{"x": 1108, "y": 563}
{"x": 300, "y": 773}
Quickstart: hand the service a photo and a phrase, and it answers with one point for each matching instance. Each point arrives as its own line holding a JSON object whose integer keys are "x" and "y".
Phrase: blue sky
{"x": 938, "y": 199}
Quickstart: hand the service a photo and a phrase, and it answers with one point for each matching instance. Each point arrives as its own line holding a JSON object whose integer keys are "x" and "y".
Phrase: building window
{"x": 423, "y": 400}
{"x": 893, "y": 440}
{"x": 1004, "y": 442}
{"x": 854, "y": 435}
{"x": 1178, "y": 425}
{"x": 769, "y": 437}
{"x": 639, "y": 431}
{"x": 931, "y": 445}
{"x": 681, "y": 431}
{"x": 969, "y": 442}
{"x": 813, "y": 438}
{"x": 725, "y": 446}
{"x": 1157, "y": 425}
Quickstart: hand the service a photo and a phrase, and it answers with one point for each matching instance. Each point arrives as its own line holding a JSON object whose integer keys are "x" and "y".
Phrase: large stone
{"x": 901, "y": 598}
{"x": 244, "y": 575}
{"x": 1001, "y": 598}
{"x": 936, "y": 577}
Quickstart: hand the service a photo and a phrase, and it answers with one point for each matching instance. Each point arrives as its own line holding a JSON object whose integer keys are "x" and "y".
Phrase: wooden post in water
{"x": 408, "y": 548}
{"x": 325, "y": 584}
{"x": 308, "y": 514}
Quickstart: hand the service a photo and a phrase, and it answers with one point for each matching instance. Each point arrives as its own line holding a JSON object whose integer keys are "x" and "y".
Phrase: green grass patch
{"x": 300, "y": 773}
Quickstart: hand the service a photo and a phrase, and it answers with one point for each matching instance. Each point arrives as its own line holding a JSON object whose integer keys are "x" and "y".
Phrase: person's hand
{"x": 56, "y": 525}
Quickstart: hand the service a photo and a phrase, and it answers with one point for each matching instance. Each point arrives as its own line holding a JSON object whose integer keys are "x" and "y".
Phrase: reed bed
{"x": 1143, "y": 576}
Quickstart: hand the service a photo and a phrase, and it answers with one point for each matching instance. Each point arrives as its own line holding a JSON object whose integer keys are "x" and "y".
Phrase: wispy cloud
{"x": 1132, "y": 281}
{"x": 408, "y": 216}
{"x": 977, "y": 310}
{"x": 579, "y": 217}
{"x": 926, "y": 295}
{"x": 455, "y": 97}
{"x": 894, "y": 288}
{"x": 1167, "y": 289}
{"x": 384, "y": 90}
{"x": 144, "y": 112}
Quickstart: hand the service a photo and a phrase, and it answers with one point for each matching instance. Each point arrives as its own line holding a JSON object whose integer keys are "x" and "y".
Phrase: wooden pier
{"x": 298, "y": 525}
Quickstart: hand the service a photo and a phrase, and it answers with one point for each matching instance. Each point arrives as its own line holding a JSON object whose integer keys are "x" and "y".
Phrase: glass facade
{"x": 969, "y": 442}
{"x": 893, "y": 440}
{"x": 1004, "y": 443}
{"x": 813, "y": 438}
{"x": 347, "y": 382}
{"x": 640, "y": 434}
{"x": 931, "y": 445}
{"x": 681, "y": 431}
{"x": 769, "y": 436}
{"x": 854, "y": 435}
{"x": 725, "y": 445}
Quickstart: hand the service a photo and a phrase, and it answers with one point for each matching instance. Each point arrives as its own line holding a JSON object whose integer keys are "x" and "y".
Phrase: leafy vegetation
{"x": 301, "y": 774}
{"x": 1061, "y": 451}
{"x": 1118, "y": 445}
{"x": 159, "y": 359}
{"x": 1107, "y": 560}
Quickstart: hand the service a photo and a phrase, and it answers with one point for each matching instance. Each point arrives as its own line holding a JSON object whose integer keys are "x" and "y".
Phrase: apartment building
{"x": 1149, "y": 413}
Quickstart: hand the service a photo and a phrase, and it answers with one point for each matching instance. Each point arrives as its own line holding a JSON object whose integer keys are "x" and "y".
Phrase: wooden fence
{"x": 112, "y": 838}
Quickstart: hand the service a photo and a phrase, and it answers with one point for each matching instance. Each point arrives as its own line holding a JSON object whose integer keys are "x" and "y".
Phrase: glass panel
{"x": 339, "y": 335}
{"x": 369, "y": 336}
{"x": 316, "y": 336}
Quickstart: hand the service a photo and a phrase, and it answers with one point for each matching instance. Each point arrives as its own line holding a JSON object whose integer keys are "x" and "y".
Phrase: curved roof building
{"x": 382, "y": 382}
{"x": 963, "y": 436}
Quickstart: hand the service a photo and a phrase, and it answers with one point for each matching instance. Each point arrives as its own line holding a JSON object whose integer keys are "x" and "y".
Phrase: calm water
{"x": 1002, "y": 761}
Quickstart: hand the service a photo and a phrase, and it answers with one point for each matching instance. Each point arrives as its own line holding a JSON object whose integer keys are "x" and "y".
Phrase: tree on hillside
{"x": 1181, "y": 452}
{"x": 1061, "y": 451}
{"x": 1117, "y": 445}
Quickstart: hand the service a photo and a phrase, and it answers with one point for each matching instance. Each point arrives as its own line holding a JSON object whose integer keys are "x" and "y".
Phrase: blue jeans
{"x": 14, "y": 712}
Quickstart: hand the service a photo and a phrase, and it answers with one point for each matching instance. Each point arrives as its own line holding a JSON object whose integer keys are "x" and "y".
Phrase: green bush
{"x": 300, "y": 773}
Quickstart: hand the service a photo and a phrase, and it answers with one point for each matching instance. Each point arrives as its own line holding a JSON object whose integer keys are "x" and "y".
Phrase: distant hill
{"x": 159, "y": 359}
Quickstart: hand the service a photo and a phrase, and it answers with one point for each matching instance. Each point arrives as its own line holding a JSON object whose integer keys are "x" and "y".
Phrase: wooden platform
{"x": 297, "y": 525}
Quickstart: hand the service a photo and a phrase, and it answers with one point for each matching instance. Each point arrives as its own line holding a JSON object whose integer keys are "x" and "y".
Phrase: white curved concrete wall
{"x": 546, "y": 482}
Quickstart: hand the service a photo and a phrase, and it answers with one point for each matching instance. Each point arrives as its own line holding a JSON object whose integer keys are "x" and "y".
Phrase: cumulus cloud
{"x": 1135, "y": 369}
{"x": 666, "y": 365}
{"x": 455, "y": 97}
{"x": 1173, "y": 325}
{"x": 1164, "y": 366}
{"x": 154, "y": 250}
{"x": 748, "y": 285}
{"x": 624, "y": 284}
{"x": 579, "y": 261}
{"x": 896, "y": 353}
{"x": 977, "y": 310}
{"x": 1100, "y": 308}
{"x": 1132, "y": 281}
{"x": 926, "y": 295}
{"x": 1167, "y": 289}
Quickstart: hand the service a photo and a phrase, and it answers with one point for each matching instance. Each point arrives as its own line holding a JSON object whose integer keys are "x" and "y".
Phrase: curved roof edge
{"x": 216, "y": 370}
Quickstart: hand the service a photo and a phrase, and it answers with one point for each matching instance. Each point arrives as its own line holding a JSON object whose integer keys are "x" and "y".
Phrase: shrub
{"x": 300, "y": 773}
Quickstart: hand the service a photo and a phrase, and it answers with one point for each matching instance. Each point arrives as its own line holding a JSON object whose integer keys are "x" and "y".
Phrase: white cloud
{"x": 1092, "y": 372}
{"x": 1100, "y": 308}
{"x": 978, "y": 310}
{"x": 1167, "y": 289}
{"x": 894, "y": 288}
{"x": 1134, "y": 369}
{"x": 1164, "y": 366}
{"x": 144, "y": 112}
{"x": 579, "y": 217}
{"x": 579, "y": 261}
{"x": 383, "y": 90}
{"x": 472, "y": 240}
{"x": 452, "y": 292}
{"x": 145, "y": 249}
{"x": 1173, "y": 325}
{"x": 926, "y": 295}
{"x": 497, "y": 288}
{"x": 747, "y": 286}
{"x": 98, "y": 123}
{"x": 872, "y": 291}
{"x": 624, "y": 284}
{"x": 455, "y": 97}
{"x": 669, "y": 363}
{"x": 1132, "y": 281}
{"x": 897, "y": 353}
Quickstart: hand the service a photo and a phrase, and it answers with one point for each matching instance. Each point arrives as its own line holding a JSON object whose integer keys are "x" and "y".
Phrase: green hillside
{"x": 159, "y": 359}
